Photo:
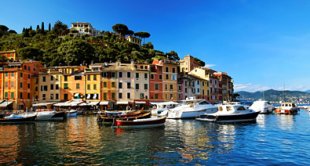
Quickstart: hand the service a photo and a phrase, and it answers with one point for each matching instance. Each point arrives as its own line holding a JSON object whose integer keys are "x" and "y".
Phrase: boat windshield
{"x": 241, "y": 108}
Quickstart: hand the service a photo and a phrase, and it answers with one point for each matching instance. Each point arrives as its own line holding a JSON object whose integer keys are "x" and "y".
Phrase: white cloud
{"x": 250, "y": 87}
{"x": 209, "y": 65}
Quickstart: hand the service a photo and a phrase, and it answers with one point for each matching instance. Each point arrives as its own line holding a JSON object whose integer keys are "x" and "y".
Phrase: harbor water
{"x": 272, "y": 140}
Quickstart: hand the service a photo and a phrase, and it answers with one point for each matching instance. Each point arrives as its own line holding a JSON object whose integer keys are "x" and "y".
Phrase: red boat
{"x": 140, "y": 123}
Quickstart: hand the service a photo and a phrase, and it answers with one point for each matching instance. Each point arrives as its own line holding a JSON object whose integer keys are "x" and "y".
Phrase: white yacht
{"x": 230, "y": 113}
{"x": 43, "y": 114}
{"x": 264, "y": 107}
{"x": 191, "y": 108}
{"x": 161, "y": 109}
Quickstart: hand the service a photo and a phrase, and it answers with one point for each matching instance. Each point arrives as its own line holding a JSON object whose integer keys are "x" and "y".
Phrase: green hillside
{"x": 55, "y": 46}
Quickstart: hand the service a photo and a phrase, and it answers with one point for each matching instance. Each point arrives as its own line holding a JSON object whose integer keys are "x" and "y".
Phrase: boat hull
{"x": 21, "y": 120}
{"x": 111, "y": 119}
{"x": 140, "y": 123}
{"x": 249, "y": 117}
{"x": 286, "y": 111}
{"x": 51, "y": 115}
{"x": 186, "y": 114}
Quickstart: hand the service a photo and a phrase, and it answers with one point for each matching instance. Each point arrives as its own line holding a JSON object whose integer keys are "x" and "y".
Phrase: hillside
{"x": 57, "y": 46}
{"x": 274, "y": 95}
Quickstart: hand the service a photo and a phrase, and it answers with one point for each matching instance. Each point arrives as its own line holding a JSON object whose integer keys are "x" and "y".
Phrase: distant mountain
{"x": 307, "y": 91}
{"x": 275, "y": 95}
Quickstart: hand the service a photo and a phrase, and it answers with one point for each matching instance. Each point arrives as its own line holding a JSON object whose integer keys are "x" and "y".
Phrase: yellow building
{"x": 170, "y": 82}
{"x": 92, "y": 85}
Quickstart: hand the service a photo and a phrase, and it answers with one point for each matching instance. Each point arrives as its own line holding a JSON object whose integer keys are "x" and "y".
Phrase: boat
{"x": 72, "y": 113}
{"x": 161, "y": 109}
{"x": 44, "y": 114}
{"x": 262, "y": 106}
{"x": 108, "y": 117}
{"x": 140, "y": 123}
{"x": 191, "y": 108}
{"x": 230, "y": 113}
{"x": 287, "y": 108}
{"x": 13, "y": 118}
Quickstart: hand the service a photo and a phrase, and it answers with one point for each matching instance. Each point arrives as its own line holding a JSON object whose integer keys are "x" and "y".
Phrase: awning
{"x": 41, "y": 104}
{"x": 103, "y": 103}
{"x": 76, "y": 95}
{"x": 93, "y": 103}
{"x": 88, "y": 96}
{"x": 95, "y": 96}
{"x": 67, "y": 103}
{"x": 122, "y": 102}
{"x": 5, "y": 104}
{"x": 140, "y": 102}
{"x": 75, "y": 103}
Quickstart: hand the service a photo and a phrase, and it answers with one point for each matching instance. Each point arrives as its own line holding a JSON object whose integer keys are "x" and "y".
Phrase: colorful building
{"x": 9, "y": 55}
{"x": 156, "y": 82}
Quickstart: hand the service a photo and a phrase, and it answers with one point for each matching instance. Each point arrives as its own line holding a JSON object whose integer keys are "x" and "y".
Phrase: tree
{"x": 60, "y": 28}
{"x": 142, "y": 35}
{"x": 38, "y": 29}
{"x": 42, "y": 27}
{"x": 31, "y": 53}
{"x": 74, "y": 52}
{"x": 172, "y": 55}
{"x": 121, "y": 29}
{"x": 49, "y": 27}
{"x": 3, "y": 30}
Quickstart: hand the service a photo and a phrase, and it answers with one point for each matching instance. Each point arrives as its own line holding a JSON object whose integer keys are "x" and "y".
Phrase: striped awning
{"x": 5, "y": 104}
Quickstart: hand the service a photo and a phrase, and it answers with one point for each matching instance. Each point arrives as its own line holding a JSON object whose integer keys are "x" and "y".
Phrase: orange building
{"x": 18, "y": 83}
{"x": 10, "y": 55}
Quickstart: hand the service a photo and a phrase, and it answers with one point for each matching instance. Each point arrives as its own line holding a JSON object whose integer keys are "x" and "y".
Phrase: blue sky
{"x": 262, "y": 44}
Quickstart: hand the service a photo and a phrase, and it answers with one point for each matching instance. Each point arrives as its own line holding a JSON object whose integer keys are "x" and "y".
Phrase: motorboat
{"x": 15, "y": 118}
{"x": 191, "y": 108}
{"x": 288, "y": 108}
{"x": 264, "y": 107}
{"x": 72, "y": 113}
{"x": 43, "y": 115}
{"x": 140, "y": 123}
{"x": 161, "y": 109}
{"x": 230, "y": 113}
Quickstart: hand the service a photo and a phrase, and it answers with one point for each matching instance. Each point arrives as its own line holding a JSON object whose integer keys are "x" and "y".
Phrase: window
{"x": 12, "y": 74}
{"x": 52, "y": 96}
{"x": 65, "y": 86}
{"x": 185, "y": 90}
{"x": 28, "y": 86}
{"x": 166, "y": 87}
{"x": 65, "y": 78}
{"x": 28, "y": 68}
{"x": 52, "y": 78}
{"x": 88, "y": 77}
{"x": 167, "y": 69}
{"x": 137, "y": 86}
{"x": 120, "y": 95}
{"x": 105, "y": 84}
{"x": 12, "y": 95}
{"x": 128, "y": 95}
{"x": 167, "y": 77}
{"x": 152, "y": 76}
{"x": 156, "y": 96}
{"x": 145, "y": 86}
{"x": 57, "y": 87}
{"x": 88, "y": 86}
{"x": 21, "y": 85}
{"x": 29, "y": 76}
{"x": 171, "y": 87}
{"x": 145, "y": 75}
{"x": 113, "y": 96}
{"x": 95, "y": 77}
{"x": 137, "y": 75}
{"x": 57, "y": 96}
{"x": 120, "y": 85}
{"x": 6, "y": 94}
{"x": 128, "y": 85}
{"x": 77, "y": 77}
{"x": 104, "y": 96}
{"x": 45, "y": 88}
{"x": 113, "y": 75}
{"x": 141, "y": 95}
{"x": 113, "y": 84}
{"x": 95, "y": 87}
{"x": 77, "y": 86}
{"x": 104, "y": 74}
{"x": 43, "y": 96}
{"x": 21, "y": 95}
{"x": 128, "y": 74}
{"x": 28, "y": 95}
{"x": 21, "y": 74}
{"x": 120, "y": 74}
{"x": 160, "y": 77}
{"x": 65, "y": 96}
{"x": 173, "y": 70}
{"x": 156, "y": 86}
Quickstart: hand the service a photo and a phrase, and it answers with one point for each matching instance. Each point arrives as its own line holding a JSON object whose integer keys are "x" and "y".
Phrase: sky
{"x": 261, "y": 44}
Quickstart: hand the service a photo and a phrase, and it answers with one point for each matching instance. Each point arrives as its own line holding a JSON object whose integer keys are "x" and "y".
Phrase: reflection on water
{"x": 81, "y": 141}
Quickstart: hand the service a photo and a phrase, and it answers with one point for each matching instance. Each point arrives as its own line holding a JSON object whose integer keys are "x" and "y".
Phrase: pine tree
{"x": 38, "y": 29}
{"x": 42, "y": 27}
{"x": 49, "y": 27}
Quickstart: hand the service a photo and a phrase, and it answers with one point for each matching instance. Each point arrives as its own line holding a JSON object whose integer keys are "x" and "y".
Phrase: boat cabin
{"x": 231, "y": 108}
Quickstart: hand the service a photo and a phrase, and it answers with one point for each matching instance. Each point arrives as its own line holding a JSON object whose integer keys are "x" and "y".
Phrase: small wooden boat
{"x": 287, "y": 108}
{"x": 17, "y": 119}
{"x": 140, "y": 123}
{"x": 109, "y": 118}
